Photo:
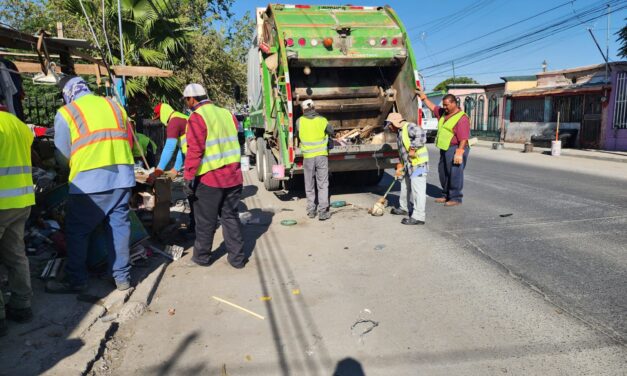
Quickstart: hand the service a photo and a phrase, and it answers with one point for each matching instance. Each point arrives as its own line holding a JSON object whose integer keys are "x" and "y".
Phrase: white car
{"x": 429, "y": 124}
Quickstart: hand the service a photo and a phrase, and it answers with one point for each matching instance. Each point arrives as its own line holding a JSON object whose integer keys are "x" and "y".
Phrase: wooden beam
{"x": 90, "y": 69}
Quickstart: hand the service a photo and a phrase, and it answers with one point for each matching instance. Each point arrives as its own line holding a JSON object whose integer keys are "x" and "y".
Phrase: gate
{"x": 591, "y": 122}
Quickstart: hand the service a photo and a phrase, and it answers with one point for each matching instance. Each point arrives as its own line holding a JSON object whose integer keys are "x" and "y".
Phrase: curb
{"x": 104, "y": 320}
{"x": 539, "y": 151}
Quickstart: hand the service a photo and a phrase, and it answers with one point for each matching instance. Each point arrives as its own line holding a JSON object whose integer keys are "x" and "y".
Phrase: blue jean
{"x": 84, "y": 212}
{"x": 452, "y": 175}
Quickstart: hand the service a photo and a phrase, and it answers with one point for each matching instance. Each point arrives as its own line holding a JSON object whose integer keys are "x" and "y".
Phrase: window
{"x": 620, "y": 101}
{"x": 479, "y": 120}
{"x": 570, "y": 108}
{"x": 528, "y": 109}
{"x": 493, "y": 113}
{"x": 469, "y": 106}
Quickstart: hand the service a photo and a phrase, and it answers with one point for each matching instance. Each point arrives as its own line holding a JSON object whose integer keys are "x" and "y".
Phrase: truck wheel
{"x": 370, "y": 177}
{"x": 260, "y": 158}
{"x": 270, "y": 183}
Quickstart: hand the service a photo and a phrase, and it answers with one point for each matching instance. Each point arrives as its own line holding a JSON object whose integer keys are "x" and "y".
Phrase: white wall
{"x": 522, "y": 131}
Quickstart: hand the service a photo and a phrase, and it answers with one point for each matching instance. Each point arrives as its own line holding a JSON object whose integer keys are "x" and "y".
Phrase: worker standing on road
{"x": 175, "y": 124}
{"x": 93, "y": 133}
{"x": 412, "y": 172}
{"x": 213, "y": 175}
{"x": 16, "y": 198}
{"x": 314, "y": 132}
{"x": 452, "y": 140}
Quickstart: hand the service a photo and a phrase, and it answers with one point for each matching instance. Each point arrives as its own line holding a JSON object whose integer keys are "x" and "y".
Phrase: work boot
{"x": 441, "y": 200}
{"x": 21, "y": 315}
{"x": 64, "y": 287}
{"x": 311, "y": 214}
{"x": 411, "y": 221}
{"x": 4, "y": 328}
{"x": 122, "y": 285}
{"x": 323, "y": 216}
{"x": 397, "y": 211}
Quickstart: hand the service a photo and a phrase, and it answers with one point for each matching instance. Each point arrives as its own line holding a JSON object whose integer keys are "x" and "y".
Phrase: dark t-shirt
{"x": 461, "y": 130}
{"x": 176, "y": 127}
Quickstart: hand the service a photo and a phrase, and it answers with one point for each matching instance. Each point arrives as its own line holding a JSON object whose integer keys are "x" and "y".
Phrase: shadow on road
{"x": 349, "y": 367}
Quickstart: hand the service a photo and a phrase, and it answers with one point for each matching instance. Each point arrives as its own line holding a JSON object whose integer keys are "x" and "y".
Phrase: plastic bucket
{"x": 556, "y": 148}
{"x": 245, "y": 163}
{"x": 278, "y": 172}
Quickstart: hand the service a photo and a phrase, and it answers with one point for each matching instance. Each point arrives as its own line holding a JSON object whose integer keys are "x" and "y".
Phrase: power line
{"x": 589, "y": 14}
{"x": 506, "y": 27}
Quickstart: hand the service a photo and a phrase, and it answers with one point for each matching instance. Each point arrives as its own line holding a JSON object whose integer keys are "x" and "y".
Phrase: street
{"x": 540, "y": 291}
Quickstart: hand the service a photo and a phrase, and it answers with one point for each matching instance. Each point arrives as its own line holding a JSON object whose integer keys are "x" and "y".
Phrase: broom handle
{"x": 389, "y": 189}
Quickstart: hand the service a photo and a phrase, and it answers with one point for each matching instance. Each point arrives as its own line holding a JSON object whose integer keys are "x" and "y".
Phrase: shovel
{"x": 379, "y": 207}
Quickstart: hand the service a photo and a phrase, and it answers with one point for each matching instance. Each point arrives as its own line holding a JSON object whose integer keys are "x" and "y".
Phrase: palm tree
{"x": 153, "y": 34}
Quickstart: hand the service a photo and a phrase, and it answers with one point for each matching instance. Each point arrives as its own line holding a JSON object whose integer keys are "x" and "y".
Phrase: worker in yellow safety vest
{"x": 145, "y": 147}
{"x": 94, "y": 135}
{"x": 452, "y": 140}
{"x": 213, "y": 176}
{"x": 412, "y": 171}
{"x": 175, "y": 125}
{"x": 16, "y": 198}
{"x": 314, "y": 132}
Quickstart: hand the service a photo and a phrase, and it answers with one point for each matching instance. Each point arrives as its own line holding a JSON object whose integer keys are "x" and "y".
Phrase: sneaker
{"x": 122, "y": 286}
{"x": 397, "y": 211}
{"x": 56, "y": 287}
{"x": 323, "y": 216}
{"x": 311, "y": 214}
{"x": 21, "y": 315}
{"x": 4, "y": 328}
{"x": 411, "y": 221}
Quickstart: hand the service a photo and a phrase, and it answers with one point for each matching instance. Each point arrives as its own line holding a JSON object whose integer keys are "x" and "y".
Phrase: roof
{"x": 519, "y": 78}
{"x": 436, "y": 93}
{"x": 560, "y": 90}
{"x": 465, "y": 86}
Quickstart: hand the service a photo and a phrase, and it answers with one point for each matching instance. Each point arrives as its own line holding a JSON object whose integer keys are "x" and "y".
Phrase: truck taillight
{"x": 303, "y": 6}
{"x": 289, "y": 42}
{"x": 372, "y": 42}
{"x": 355, "y": 8}
{"x": 384, "y": 41}
{"x": 394, "y": 42}
{"x": 314, "y": 42}
{"x": 302, "y": 42}
{"x": 328, "y": 42}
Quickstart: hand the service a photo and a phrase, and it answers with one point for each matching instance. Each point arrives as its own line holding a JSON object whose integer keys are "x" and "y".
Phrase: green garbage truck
{"x": 355, "y": 62}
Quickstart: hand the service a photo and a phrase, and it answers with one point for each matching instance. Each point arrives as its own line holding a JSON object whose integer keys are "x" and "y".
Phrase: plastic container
{"x": 245, "y": 163}
{"x": 556, "y": 148}
{"x": 278, "y": 172}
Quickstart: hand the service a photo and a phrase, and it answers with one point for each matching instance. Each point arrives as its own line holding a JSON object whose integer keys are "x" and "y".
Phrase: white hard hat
{"x": 194, "y": 90}
{"x": 307, "y": 104}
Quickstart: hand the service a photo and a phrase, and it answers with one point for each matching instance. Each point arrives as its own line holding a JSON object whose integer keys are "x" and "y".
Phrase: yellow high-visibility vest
{"x": 421, "y": 155}
{"x": 221, "y": 146}
{"x": 16, "y": 179}
{"x": 167, "y": 113}
{"x": 445, "y": 130}
{"x": 143, "y": 141}
{"x": 313, "y": 137}
{"x": 98, "y": 133}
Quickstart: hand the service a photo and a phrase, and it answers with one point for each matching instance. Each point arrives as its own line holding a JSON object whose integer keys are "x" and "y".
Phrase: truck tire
{"x": 260, "y": 158}
{"x": 366, "y": 178}
{"x": 270, "y": 183}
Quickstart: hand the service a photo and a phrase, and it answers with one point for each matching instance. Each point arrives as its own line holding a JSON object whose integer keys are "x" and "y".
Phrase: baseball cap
{"x": 194, "y": 90}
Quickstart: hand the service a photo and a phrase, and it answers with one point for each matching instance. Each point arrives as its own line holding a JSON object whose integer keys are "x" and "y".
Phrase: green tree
{"x": 622, "y": 38}
{"x": 457, "y": 80}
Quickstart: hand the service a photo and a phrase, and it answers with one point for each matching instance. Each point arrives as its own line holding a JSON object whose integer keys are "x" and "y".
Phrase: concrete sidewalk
{"x": 603, "y": 155}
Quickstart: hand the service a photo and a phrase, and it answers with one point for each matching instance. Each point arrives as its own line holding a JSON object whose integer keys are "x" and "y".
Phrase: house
{"x": 580, "y": 98}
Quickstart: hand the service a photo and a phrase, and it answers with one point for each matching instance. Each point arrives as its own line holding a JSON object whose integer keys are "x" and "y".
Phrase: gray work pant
{"x": 13, "y": 257}
{"x": 317, "y": 174}
{"x": 414, "y": 191}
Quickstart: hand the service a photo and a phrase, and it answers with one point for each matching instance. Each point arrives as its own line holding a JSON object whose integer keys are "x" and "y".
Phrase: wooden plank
{"x": 90, "y": 69}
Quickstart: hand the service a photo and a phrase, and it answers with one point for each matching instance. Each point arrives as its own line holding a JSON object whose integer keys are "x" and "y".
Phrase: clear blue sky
{"x": 570, "y": 48}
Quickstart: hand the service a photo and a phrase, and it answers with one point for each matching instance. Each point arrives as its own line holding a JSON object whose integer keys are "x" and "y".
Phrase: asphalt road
{"x": 567, "y": 233}
{"x": 538, "y": 292}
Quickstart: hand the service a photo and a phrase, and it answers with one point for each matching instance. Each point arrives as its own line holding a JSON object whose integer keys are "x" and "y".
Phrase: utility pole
{"x": 544, "y": 65}
{"x": 123, "y": 60}
{"x": 452, "y": 62}
{"x": 607, "y": 46}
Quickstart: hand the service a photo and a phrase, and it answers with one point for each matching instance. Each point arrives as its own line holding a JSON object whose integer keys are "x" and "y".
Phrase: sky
{"x": 447, "y": 31}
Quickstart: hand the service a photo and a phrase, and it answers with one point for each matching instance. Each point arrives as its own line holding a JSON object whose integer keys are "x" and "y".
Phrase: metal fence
{"x": 620, "y": 101}
{"x": 40, "y": 110}
{"x": 570, "y": 108}
{"x": 528, "y": 110}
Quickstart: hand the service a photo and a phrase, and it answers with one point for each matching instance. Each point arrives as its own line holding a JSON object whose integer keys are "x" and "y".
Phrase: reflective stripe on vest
{"x": 16, "y": 181}
{"x": 221, "y": 146}
{"x": 421, "y": 155}
{"x": 445, "y": 130}
{"x": 98, "y": 133}
{"x": 313, "y": 137}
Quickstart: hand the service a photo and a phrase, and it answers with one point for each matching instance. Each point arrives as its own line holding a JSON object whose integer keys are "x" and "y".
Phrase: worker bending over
{"x": 175, "y": 126}
{"x": 412, "y": 172}
{"x": 93, "y": 133}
